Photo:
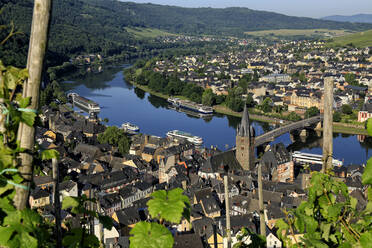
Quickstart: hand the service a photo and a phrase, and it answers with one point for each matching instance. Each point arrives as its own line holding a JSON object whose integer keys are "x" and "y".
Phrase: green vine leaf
{"x": 106, "y": 221}
{"x": 150, "y": 235}
{"x": 49, "y": 154}
{"x": 28, "y": 118}
{"x": 168, "y": 205}
{"x": 366, "y": 239}
{"x": 24, "y": 102}
{"x": 70, "y": 202}
{"x": 77, "y": 236}
{"x": 369, "y": 126}
{"x": 367, "y": 175}
{"x": 353, "y": 202}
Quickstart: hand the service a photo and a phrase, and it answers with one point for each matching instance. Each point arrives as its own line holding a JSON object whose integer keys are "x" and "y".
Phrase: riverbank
{"x": 347, "y": 129}
{"x": 221, "y": 109}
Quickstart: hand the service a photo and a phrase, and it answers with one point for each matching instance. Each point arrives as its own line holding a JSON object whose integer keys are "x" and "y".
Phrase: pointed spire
{"x": 245, "y": 129}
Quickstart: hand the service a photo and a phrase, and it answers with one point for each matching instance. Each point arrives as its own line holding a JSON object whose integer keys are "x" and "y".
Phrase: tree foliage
{"x": 310, "y": 112}
{"x": 115, "y": 137}
{"x": 293, "y": 116}
{"x": 330, "y": 218}
{"x": 347, "y": 109}
{"x": 168, "y": 206}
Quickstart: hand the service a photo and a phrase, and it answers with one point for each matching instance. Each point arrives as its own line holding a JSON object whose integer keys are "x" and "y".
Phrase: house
{"x": 68, "y": 188}
{"x": 217, "y": 164}
{"x": 272, "y": 241}
{"x": 211, "y": 207}
{"x": 365, "y": 113}
{"x": 39, "y": 198}
{"x": 275, "y": 78}
{"x": 187, "y": 240}
{"x": 307, "y": 99}
{"x": 126, "y": 219}
{"x": 43, "y": 182}
{"x": 207, "y": 229}
{"x": 110, "y": 203}
{"x": 278, "y": 163}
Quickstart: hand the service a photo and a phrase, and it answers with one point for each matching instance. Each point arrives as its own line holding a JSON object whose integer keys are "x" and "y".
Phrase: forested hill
{"x": 361, "y": 18}
{"x": 230, "y": 21}
{"x": 98, "y": 26}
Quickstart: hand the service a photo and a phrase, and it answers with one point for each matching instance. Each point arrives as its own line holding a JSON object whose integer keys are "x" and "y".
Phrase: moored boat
{"x": 84, "y": 103}
{"x": 186, "y": 104}
{"x": 183, "y": 135}
{"x": 127, "y": 126}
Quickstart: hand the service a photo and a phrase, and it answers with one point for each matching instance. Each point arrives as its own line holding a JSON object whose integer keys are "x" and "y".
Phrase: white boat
{"x": 127, "y": 126}
{"x": 84, "y": 103}
{"x": 186, "y": 104}
{"x": 302, "y": 157}
{"x": 189, "y": 137}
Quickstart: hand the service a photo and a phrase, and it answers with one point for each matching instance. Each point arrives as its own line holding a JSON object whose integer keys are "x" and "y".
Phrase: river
{"x": 121, "y": 102}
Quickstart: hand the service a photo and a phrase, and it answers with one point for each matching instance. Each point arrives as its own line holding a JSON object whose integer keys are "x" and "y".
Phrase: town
{"x": 122, "y": 180}
{"x": 201, "y": 124}
{"x": 284, "y": 80}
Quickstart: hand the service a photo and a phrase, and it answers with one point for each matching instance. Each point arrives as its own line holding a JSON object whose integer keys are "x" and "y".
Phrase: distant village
{"x": 290, "y": 73}
{"x": 122, "y": 184}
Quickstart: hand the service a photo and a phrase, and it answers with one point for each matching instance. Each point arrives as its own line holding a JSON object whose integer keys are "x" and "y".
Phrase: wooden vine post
{"x": 35, "y": 60}
{"x": 328, "y": 125}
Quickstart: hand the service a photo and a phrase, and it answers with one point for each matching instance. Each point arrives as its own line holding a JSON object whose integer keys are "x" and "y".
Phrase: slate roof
{"x": 128, "y": 216}
{"x": 109, "y": 200}
{"x": 276, "y": 155}
{"x": 189, "y": 240}
{"x": 220, "y": 162}
{"x": 66, "y": 185}
{"x": 210, "y": 204}
{"x": 39, "y": 193}
{"x": 245, "y": 129}
{"x": 40, "y": 180}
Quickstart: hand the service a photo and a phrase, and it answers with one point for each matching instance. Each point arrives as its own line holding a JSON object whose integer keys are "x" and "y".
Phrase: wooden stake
{"x": 36, "y": 52}
{"x": 227, "y": 206}
{"x": 57, "y": 203}
{"x": 260, "y": 202}
{"x": 328, "y": 125}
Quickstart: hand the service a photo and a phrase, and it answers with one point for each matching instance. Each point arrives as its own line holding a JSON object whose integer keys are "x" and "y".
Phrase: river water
{"x": 121, "y": 102}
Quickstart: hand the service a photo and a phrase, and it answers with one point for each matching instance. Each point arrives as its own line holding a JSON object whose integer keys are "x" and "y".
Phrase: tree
{"x": 249, "y": 101}
{"x": 208, "y": 97}
{"x": 293, "y": 116}
{"x": 347, "y": 109}
{"x": 310, "y": 112}
{"x": 337, "y": 116}
{"x": 350, "y": 78}
{"x": 266, "y": 105}
{"x": 115, "y": 137}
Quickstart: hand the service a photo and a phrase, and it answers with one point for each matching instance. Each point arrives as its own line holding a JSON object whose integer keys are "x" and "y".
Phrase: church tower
{"x": 245, "y": 135}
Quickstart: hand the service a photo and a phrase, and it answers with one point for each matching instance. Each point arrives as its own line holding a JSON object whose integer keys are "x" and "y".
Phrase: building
{"x": 245, "y": 136}
{"x": 275, "y": 77}
{"x": 278, "y": 163}
{"x": 365, "y": 113}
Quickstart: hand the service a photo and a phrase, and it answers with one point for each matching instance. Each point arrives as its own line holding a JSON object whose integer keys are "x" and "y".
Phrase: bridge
{"x": 271, "y": 135}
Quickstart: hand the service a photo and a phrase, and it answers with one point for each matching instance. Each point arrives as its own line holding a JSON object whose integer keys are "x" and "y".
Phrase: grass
{"x": 361, "y": 39}
{"x": 143, "y": 33}
{"x": 297, "y": 32}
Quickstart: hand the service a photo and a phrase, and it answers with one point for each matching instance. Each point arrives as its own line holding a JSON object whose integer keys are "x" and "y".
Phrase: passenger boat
{"x": 189, "y": 137}
{"x": 186, "y": 104}
{"x": 127, "y": 126}
{"x": 84, "y": 103}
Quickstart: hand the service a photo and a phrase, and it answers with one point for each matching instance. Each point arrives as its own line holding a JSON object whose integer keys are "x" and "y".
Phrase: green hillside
{"x": 361, "y": 39}
{"x": 111, "y": 27}
{"x": 145, "y": 33}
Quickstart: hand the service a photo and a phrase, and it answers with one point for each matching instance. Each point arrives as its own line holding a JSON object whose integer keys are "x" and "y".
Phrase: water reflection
{"x": 121, "y": 102}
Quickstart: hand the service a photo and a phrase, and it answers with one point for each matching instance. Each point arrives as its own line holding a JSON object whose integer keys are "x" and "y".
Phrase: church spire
{"x": 244, "y": 128}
